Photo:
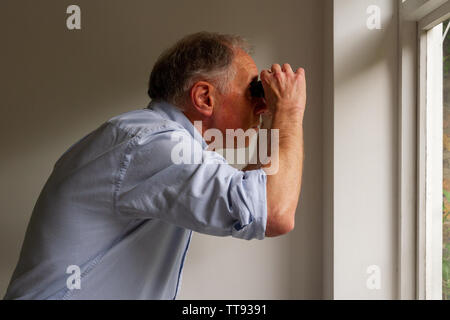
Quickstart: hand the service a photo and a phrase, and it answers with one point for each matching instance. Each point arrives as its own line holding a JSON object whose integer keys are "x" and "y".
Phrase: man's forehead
{"x": 245, "y": 65}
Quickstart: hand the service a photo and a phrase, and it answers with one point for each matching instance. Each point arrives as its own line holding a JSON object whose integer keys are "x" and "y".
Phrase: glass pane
{"x": 446, "y": 167}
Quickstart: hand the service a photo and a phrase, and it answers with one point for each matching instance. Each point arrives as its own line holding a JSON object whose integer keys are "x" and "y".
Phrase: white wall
{"x": 362, "y": 202}
{"x": 57, "y": 85}
{"x": 328, "y": 150}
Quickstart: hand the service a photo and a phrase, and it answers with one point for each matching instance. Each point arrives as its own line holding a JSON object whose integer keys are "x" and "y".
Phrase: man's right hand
{"x": 284, "y": 89}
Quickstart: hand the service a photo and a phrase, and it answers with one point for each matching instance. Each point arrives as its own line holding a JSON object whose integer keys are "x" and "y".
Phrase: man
{"x": 115, "y": 217}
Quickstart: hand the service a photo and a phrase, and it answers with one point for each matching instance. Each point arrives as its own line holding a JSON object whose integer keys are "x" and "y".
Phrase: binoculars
{"x": 256, "y": 89}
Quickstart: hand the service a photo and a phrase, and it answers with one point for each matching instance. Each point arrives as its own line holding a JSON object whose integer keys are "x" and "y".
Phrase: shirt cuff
{"x": 254, "y": 206}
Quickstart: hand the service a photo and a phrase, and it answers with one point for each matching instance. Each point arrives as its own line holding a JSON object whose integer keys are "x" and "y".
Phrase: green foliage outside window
{"x": 446, "y": 50}
{"x": 446, "y": 195}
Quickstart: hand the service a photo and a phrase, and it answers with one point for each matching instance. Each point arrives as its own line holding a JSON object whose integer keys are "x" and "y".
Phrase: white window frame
{"x": 430, "y": 105}
{"x": 420, "y": 161}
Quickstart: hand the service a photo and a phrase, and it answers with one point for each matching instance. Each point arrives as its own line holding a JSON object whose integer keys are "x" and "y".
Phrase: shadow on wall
{"x": 363, "y": 53}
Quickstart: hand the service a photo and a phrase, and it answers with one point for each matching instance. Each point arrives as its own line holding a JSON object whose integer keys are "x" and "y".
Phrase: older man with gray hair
{"x": 116, "y": 215}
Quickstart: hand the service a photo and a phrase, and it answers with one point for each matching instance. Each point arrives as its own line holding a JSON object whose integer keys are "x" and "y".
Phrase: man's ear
{"x": 203, "y": 97}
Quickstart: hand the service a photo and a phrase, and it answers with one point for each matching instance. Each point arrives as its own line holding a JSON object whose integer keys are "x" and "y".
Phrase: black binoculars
{"x": 256, "y": 89}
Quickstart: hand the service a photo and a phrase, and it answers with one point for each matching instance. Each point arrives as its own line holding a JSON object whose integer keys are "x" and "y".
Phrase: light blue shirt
{"x": 118, "y": 208}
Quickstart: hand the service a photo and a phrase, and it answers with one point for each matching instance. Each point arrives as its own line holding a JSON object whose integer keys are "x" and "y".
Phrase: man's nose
{"x": 261, "y": 106}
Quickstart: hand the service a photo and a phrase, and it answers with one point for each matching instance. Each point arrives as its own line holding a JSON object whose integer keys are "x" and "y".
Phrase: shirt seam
{"x": 181, "y": 266}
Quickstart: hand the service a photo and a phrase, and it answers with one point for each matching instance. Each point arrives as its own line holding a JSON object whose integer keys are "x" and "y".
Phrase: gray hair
{"x": 200, "y": 56}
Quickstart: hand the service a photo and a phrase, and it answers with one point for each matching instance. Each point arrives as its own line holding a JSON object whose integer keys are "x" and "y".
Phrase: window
{"x": 434, "y": 173}
{"x": 424, "y": 236}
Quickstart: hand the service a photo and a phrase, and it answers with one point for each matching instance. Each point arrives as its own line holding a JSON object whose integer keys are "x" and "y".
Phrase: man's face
{"x": 238, "y": 109}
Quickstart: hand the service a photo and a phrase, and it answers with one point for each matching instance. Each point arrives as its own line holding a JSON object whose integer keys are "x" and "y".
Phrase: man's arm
{"x": 210, "y": 197}
{"x": 286, "y": 98}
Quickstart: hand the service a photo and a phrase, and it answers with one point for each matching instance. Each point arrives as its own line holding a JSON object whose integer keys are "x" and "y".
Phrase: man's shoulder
{"x": 143, "y": 122}
{"x": 140, "y": 125}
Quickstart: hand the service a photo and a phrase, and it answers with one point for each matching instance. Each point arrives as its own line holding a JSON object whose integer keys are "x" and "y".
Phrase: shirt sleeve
{"x": 202, "y": 193}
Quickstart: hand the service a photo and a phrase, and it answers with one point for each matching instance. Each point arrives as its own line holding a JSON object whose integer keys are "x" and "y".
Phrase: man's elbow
{"x": 278, "y": 226}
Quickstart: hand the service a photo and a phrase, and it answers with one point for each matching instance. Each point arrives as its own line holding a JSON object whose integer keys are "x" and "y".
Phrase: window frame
{"x": 430, "y": 171}
{"x": 420, "y": 141}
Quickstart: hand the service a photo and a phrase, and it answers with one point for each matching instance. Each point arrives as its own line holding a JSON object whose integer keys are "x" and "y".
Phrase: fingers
{"x": 301, "y": 74}
{"x": 276, "y": 68}
{"x": 287, "y": 68}
{"x": 264, "y": 75}
{"x": 300, "y": 71}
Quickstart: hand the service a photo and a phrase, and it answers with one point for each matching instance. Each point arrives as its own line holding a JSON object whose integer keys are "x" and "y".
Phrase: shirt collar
{"x": 171, "y": 112}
